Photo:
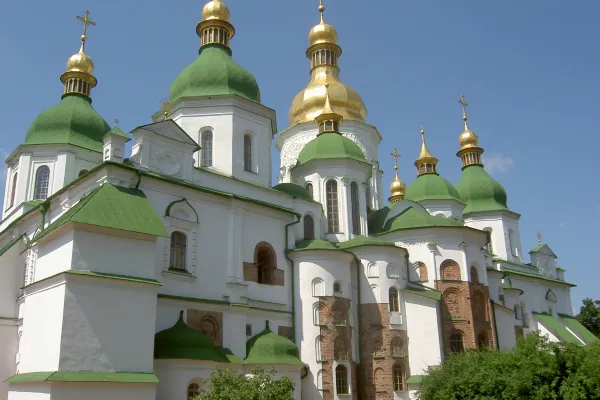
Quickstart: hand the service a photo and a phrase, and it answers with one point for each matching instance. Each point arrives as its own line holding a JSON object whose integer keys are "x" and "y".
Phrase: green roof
{"x": 480, "y": 191}
{"x": 270, "y": 348}
{"x": 556, "y": 327}
{"x": 214, "y": 73}
{"x": 182, "y": 342}
{"x": 330, "y": 145}
{"x": 431, "y": 187}
{"x": 508, "y": 286}
{"x": 83, "y": 376}
{"x": 314, "y": 245}
{"x": 576, "y": 326}
{"x": 415, "y": 379}
{"x": 357, "y": 241}
{"x": 410, "y": 218}
{"x": 294, "y": 190}
{"x": 118, "y": 132}
{"x": 424, "y": 291}
{"x": 72, "y": 121}
{"x": 114, "y": 207}
{"x": 511, "y": 271}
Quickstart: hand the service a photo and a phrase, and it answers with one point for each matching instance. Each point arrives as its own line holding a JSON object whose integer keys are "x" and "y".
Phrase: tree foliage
{"x": 589, "y": 316}
{"x": 535, "y": 369}
{"x": 258, "y": 385}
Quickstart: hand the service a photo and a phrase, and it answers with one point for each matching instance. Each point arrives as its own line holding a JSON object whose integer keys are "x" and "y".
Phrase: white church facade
{"x": 133, "y": 274}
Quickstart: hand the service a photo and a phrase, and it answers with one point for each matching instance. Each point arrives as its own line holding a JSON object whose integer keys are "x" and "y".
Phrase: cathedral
{"x": 135, "y": 264}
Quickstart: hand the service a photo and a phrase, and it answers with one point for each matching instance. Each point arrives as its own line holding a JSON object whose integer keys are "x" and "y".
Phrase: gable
{"x": 169, "y": 130}
{"x": 543, "y": 249}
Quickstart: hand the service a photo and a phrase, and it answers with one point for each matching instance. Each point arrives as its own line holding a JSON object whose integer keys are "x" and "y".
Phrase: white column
{"x": 465, "y": 268}
{"x": 362, "y": 205}
{"x": 432, "y": 248}
{"x": 24, "y": 179}
{"x": 345, "y": 210}
{"x": 234, "y": 264}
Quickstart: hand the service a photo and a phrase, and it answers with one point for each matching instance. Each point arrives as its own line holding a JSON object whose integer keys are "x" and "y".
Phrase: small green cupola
{"x": 72, "y": 121}
{"x": 476, "y": 187}
{"x": 182, "y": 342}
{"x": 214, "y": 72}
{"x": 270, "y": 348}
{"x": 329, "y": 143}
{"x": 429, "y": 185}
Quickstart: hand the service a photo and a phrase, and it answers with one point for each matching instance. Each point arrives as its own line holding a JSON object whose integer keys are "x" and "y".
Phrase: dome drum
{"x": 323, "y": 54}
{"x": 78, "y": 82}
{"x": 470, "y": 156}
{"x": 215, "y": 31}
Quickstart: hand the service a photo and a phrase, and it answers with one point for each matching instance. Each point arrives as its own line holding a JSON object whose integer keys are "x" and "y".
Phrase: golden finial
{"x": 321, "y": 10}
{"x": 78, "y": 77}
{"x": 328, "y": 120}
{"x": 397, "y": 188}
{"x": 425, "y": 163}
{"x": 116, "y": 121}
{"x": 539, "y": 237}
{"x": 469, "y": 152}
{"x": 85, "y": 18}
{"x": 165, "y": 106}
{"x": 464, "y": 108}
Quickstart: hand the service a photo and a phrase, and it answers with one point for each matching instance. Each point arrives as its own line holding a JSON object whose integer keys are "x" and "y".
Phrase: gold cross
{"x": 539, "y": 237}
{"x": 395, "y": 155}
{"x": 85, "y": 18}
{"x": 464, "y": 104}
{"x": 422, "y": 130}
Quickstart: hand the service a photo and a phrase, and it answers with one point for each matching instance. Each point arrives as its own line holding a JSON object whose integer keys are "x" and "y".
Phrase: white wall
{"x": 501, "y": 223}
{"x": 8, "y": 353}
{"x": 424, "y": 332}
{"x": 505, "y": 324}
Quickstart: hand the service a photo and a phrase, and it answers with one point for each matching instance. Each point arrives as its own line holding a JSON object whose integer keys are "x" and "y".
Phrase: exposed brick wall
{"x": 449, "y": 270}
{"x": 208, "y": 322}
{"x": 274, "y": 276}
{"x": 378, "y": 359}
{"x": 423, "y": 275}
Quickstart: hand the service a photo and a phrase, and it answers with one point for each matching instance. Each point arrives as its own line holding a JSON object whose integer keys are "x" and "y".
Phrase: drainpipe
{"x": 139, "y": 175}
{"x": 43, "y": 210}
{"x": 287, "y": 250}
{"x": 495, "y": 324}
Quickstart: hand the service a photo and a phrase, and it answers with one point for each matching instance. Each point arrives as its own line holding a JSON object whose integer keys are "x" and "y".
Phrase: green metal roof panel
{"x": 576, "y": 326}
{"x": 330, "y": 145}
{"x": 314, "y": 245}
{"x": 480, "y": 191}
{"x": 72, "y": 121}
{"x": 114, "y": 207}
{"x": 294, "y": 190}
{"x": 118, "y": 132}
{"x": 270, "y": 348}
{"x": 424, "y": 292}
{"x": 555, "y": 326}
{"x": 83, "y": 376}
{"x": 415, "y": 379}
{"x": 535, "y": 276}
{"x": 431, "y": 187}
{"x": 361, "y": 240}
{"x": 214, "y": 73}
{"x": 412, "y": 218}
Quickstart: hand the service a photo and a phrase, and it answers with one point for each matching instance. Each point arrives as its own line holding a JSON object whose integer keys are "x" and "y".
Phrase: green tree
{"x": 589, "y": 316}
{"x": 258, "y": 385}
{"x": 535, "y": 369}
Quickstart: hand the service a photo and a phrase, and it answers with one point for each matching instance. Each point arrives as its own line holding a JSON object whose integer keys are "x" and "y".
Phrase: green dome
{"x": 480, "y": 191}
{"x": 294, "y": 190}
{"x": 330, "y": 145}
{"x": 182, "y": 342}
{"x": 214, "y": 73}
{"x": 431, "y": 187}
{"x": 269, "y": 348}
{"x": 72, "y": 121}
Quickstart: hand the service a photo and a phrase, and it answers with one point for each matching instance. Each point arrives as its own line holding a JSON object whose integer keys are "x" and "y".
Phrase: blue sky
{"x": 529, "y": 70}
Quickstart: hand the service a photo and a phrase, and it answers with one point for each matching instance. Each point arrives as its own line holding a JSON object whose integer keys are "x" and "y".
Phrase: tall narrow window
{"x": 178, "y": 250}
{"x": 474, "y": 274}
{"x": 398, "y": 377}
{"x": 489, "y": 247}
{"x": 341, "y": 380}
{"x": 42, "y": 181}
{"x": 394, "y": 306}
{"x": 309, "y": 189}
{"x": 13, "y": 190}
{"x": 193, "y": 390}
{"x": 456, "y": 342}
{"x": 266, "y": 265}
{"x": 482, "y": 340}
{"x": 247, "y": 153}
{"x": 207, "y": 149}
{"x": 309, "y": 227}
{"x": 512, "y": 241}
{"x": 397, "y": 347}
{"x": 333, "y": 223}
{"x": 318, "y": 355}
{"x": 355, "y": 209}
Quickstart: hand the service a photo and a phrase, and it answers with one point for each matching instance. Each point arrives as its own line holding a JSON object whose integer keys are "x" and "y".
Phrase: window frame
{"x": 393, "y": 299}
{"x": 37, "y": 189}
{"x": 13, "y": 189}
{"x": 341, "y": 380}
{"x": 172, "y": 255}
{"x": 355, "y": 208}
{"x": 398, "y": 377}
{"x": 332, "y": 196}
{"x": 193, "y": 390}
{"x": 248, "y": 152}
{"x": 308, "y": 224}
{"x": 453, "y": 341}
{"x": 207, "y": 155}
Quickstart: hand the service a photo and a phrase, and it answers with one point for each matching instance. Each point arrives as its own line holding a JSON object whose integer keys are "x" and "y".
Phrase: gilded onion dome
{"x": 398, "y": 187}
{"x": 323, "y": 53}
{"x": 426, "y": 163}
{"x": 469, "y": 152}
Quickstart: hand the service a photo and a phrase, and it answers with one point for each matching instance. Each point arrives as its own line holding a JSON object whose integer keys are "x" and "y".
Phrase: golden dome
{"x": 80, "y": 62}
{"x": 215, "y": 9}
{"x": 468, "y": 139}
{"x": 398, "y": 186}
{"x": 322, "y": 33}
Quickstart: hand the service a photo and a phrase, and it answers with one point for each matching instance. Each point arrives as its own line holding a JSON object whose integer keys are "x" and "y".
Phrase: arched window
{"x": 320, "y": 380}
{"x": 207, "y": 149}
{"x": 394, "y": 301}
{"x": 479, "y": 306}
{"x": 550, "y": 300}
{"x": 337, "y": 287}
{"x": 341, "y": 380}
{"x": 266, "y": 263}
{"x": 318, "y": 342}
{"x": 318, "y": 287}
{"x": 392, "y": 271}
{"x": 355, "y": 208}
{"x": 377, "y": 348}
{"x": 42, "y": 182}
{"x": 13, "y": 190}
{"x": 309, "y": 227}
{"x": 372, "y": 270}
{"x": 247, "y": 153}
{"x": 193, "y": 390}
{"x": 474, "y": 274}
{"x": 333, "y": 222}
{"x": 317, "y": 313}
{"x": 453, "y": 302}
{"x": 489, "y": 247}
{"x": 450, "y": 270}
{"x": 209, "y": 327}
{"x": 340, "y": 349}
{"x": 375, "y": 290}
{"x": 379, "y": 380}
{"x": 398, "y": 377}
{"x": 309, "y": 189}
{"x": 482, "y": 340}
{"x": 82, "y": 173}
{"x": 421, "y": 269}
{"x": 178, "y": 251}
{"x": 512, "y": 241}
{"x": 456, "y": 342}
{"x": 339, "y": 313}
{"x": 397, "y": 347}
